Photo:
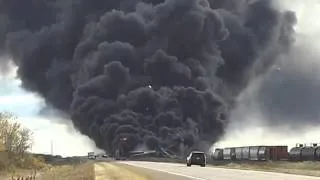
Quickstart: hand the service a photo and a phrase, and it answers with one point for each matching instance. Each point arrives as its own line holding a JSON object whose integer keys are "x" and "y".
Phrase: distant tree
{"x": 14, "y": 137}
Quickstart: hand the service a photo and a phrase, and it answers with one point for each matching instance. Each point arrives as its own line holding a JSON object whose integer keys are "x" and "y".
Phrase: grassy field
{"x": 46, "y": 167}
{"x": 92, "y": 171}
{"x": 82, "y": 171}
{"x": 19, "y": 165}
{"x": 79, "y": 168}
{"x": 49, "y": 167}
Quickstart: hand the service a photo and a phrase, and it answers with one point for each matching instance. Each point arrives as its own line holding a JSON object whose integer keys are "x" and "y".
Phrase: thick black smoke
{"x": 291, "y": 92}
{"x": 157, "y": 72}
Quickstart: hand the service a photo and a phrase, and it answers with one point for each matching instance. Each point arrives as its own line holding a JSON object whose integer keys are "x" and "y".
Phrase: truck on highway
{"x": 91, "y": 155}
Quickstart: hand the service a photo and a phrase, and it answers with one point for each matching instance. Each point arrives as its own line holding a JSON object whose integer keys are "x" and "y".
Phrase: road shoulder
{"x": 111, "y": 171}
{"x": 154, "y": 174}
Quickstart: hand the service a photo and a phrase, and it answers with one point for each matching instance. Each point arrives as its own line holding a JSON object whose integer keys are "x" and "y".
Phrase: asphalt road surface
{"x": 167, "y": 170}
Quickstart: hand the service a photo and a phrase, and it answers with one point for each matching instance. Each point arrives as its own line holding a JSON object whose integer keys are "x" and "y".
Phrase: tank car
{"x": 305, "y": 153}
{"x": 308, "y": 153}
{"x": 317, "y": 154}
{"x": 295, "y": 153}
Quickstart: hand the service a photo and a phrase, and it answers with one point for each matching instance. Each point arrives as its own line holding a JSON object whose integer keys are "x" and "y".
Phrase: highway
{"x": 169, "y": 170}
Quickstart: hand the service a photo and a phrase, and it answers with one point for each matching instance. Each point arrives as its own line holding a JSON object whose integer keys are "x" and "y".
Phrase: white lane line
{"x": 173, "y": 173}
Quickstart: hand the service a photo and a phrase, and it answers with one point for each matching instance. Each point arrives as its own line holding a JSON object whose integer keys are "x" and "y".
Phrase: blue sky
{"x": 26, "y": 105}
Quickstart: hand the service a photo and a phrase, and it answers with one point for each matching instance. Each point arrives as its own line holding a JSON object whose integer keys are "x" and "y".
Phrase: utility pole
{"x": 52, "y": 147}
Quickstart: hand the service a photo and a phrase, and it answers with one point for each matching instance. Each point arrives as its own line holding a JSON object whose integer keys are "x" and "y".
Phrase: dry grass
{"x": 83, "y": 171}
{"x": 111, "y": 171}
{"x": 20, "y": 166}
{"x": 17, "y": 173}
{"x": 300, "y": 168}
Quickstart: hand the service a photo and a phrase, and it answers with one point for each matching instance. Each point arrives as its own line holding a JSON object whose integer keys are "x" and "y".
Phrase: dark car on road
{"x": 197, "y": 158}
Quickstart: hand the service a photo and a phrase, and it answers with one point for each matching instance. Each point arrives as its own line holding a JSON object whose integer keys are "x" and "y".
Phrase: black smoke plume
{"x": 291, "y": 92}
{"x": 162, "y": 73}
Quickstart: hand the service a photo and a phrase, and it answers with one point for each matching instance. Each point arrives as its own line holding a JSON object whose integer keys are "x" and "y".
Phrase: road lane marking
{"x": 173, "y": 173}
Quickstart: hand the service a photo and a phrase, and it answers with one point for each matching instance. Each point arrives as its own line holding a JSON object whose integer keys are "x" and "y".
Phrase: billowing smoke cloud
{"x": 154, "y": 72}
{"x": 282, "y": 106}
{"x": 288, "y": 94}
{"x": 291, "y": 94}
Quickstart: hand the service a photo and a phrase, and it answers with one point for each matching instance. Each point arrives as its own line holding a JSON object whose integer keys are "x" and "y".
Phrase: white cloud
{"x": 66, "y": 141}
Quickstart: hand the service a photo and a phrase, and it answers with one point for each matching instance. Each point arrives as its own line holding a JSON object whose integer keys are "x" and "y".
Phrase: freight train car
{"x": 217, "y": 154}
{"x": 229, "y": 154}
{"x": 305, "y": 153}
{"x": 252, "y": 153}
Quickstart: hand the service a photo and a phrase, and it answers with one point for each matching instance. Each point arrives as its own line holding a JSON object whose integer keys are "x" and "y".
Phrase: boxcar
{"x": 254, "y": 153}
{"x": 276, "y": 153}
{"x": 245, "y": 153}
{"x": 229, "y": 154}
{"x": 217, "y": 154}
{"x": 238, "y": 151}
{"x": 262, "y": 153}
